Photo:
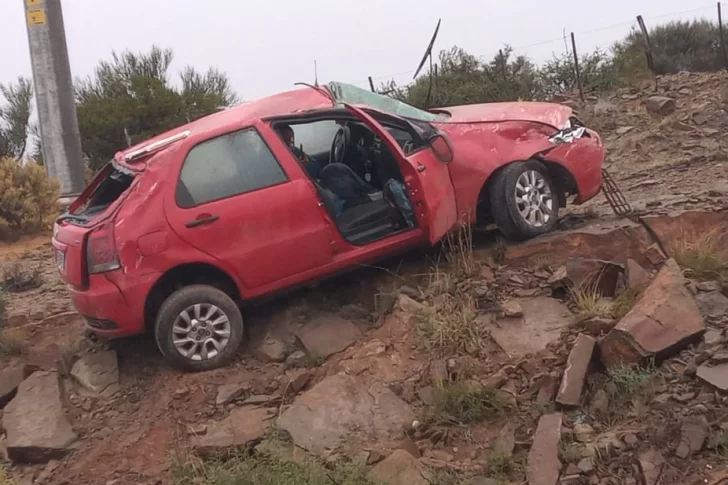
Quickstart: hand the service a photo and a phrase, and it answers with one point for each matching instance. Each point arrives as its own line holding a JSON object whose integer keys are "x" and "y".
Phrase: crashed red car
{"x": 172, "y": 235}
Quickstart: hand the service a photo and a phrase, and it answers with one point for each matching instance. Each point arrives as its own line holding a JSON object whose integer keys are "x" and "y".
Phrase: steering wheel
{"x": 340, "y": 145}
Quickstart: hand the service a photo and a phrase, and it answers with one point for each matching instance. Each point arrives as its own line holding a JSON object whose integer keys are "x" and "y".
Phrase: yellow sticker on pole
{"x": 31, "y": 3}
{"x": 37, "y": 16}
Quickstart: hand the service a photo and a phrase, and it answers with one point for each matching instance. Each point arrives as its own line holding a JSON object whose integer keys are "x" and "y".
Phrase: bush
{"x": 28, "y": 199}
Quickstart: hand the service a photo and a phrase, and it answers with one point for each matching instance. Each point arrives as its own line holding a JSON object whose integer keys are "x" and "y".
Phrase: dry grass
{"x": 12, "y": 342}
{"x": 452, "y": 327}
{"x": 463, "y": 403}
{"x": 700, "y": 253}
{"x": 458, "y": 250}
{"x": 629, "y": 390}
{"x": 569, "y": 452}
{"x": 5, "y": 477}
{"x": 20, "y": 277}
{"x": 588, "y": 303}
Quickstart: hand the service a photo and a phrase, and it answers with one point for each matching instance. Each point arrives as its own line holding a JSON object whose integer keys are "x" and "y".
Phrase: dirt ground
{"x": 664, "y": 164}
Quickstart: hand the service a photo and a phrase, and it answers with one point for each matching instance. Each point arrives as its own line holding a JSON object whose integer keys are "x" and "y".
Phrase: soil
{"x": 663, "y": 165}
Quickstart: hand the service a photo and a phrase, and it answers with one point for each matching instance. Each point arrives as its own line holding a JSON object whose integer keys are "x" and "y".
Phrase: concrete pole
{"x": 60, "y": 135}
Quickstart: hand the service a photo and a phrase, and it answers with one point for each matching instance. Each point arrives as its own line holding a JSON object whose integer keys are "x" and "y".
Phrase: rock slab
{"x": 37, "y": 428}
{"x": 10, "y": 379}
{"x": 399, "y": 468}
{"x": 243, "y": 426}
{"x": 326, "y": 335}
{"x": 98, "y": 372}
{"x": 577, "y": 366}
{"x": 663, "y": 321}
{"x": 270, "y": 350}
{"x": 342, "y": 409}
{"x": 661, "y": 105}
{"x": 543, "y": 459}
{"x": 716, "y": 375}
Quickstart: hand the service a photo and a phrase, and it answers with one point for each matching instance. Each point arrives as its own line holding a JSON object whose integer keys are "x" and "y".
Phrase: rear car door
{"x": 427, "y": 178}
{"x": 234, "y": 201}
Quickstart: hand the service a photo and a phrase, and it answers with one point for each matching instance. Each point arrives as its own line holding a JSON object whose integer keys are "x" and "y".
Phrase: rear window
{"x": 110, "y": 188}
{"x": 226, "y": 166}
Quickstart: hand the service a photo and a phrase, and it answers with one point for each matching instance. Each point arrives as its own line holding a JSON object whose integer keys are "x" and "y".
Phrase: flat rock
{"x": 577, "y": 366}
{"x": 543, "y": 458}
{"x": 542, "y": 322}
{"x": 342, "y": 409}
{"x": 693, "y": 432}
{"x": 512, "y": 309}
{"x": 242, "y": 427}
{"x": 270, "y": 350}
{"x": 36, "y": 426}
{"x": 662, "y": 322}
{"x": 661, "y": 105}
{"x": 716, "y": 375}
{"x": 712, "y": 304}
{"x": 326, "y": 335}
{"x": 651, "y": 463}
{"x": 98, "y": 372}
{"x": 637, "y": 276}
{"x": 10, "y": 379}
{"x": 399, "y": 468}
{"x": 227, "y": 393}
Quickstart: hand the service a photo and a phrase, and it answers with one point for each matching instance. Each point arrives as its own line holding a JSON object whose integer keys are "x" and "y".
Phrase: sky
{"x": 267, "y": 47}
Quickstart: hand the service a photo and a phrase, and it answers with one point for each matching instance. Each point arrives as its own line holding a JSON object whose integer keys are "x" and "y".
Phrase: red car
{"x": 172, "y": 235}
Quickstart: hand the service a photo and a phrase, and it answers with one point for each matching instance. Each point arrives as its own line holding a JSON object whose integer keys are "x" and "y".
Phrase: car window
{"x": 348, "y": 94}
{"x": 315, "y": 138}
{"x": 228, "y": 165}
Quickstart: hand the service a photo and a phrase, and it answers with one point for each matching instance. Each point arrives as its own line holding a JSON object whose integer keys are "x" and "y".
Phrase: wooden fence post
{"x": 722, "y": 36}
{"x": 648, "y": 49}
{"x": 577, "y": 71}
{"x": 371, "y": 84}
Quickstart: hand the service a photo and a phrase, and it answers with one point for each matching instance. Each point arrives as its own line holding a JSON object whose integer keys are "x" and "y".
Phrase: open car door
{"x": 426, "y": 177}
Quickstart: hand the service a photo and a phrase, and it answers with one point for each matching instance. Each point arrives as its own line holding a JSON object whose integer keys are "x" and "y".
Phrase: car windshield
{"x": 346, "y": 93}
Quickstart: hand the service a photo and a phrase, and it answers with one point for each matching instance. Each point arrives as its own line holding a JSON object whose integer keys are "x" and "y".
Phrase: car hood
{"x": 555, "y": 115}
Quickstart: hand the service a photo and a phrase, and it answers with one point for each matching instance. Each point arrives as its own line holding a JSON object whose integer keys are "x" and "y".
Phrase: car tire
{"x": 523, "y": 200}
{"x": 198, "y": 345}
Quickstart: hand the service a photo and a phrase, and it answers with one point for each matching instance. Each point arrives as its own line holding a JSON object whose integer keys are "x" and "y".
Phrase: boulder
{"x": 270, "y": 350}
{"x": 399, "y": 468}
{"x": 10, "y": 379}
{"x": 577, "y": 366}
{"x": 244, "y": 426}
{"x": 661, "y": 105}
{"x": 36, "y": 426}
{"x": 543, "y": 458}
{"x": 637, "y": 276}
{"x": 343, "y": 409}
{"x": 662, "y": 322}
{"x": 98, "y": 372}
{"x": 328, "y": 334}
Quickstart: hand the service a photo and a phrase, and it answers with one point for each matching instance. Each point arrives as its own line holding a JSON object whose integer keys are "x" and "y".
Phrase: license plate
{"x": 61, "y": 260}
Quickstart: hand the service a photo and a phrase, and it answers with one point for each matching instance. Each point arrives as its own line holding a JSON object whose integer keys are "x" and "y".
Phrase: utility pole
{"x": 59, "y": 132}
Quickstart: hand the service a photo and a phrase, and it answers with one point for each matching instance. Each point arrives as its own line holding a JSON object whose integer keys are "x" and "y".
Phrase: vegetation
{"x": 701, "y": 254}
{"x": 589, "y": 303}
{"x": 15, "y": 117}
{"x": 5, "y": 477}
{"x": 462, "y": 402}
{"x": 21, "y": 278}
{"x": 12, "y": 342}
{"x": 628, "y": 390}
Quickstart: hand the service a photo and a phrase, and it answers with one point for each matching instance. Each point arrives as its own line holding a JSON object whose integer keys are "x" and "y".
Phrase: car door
{"x": 427, "y": 178}
{"x": 235, "y": 202}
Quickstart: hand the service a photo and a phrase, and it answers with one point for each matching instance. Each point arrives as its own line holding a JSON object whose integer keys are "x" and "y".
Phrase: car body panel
{"x": 551, "y": 114}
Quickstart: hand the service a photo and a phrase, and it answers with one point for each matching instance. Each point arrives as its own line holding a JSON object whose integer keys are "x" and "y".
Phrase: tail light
{"x": 101, "y": 253}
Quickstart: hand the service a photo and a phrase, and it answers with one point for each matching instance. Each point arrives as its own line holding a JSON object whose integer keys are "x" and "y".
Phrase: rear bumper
{"x": 584, "y": 159}
{"x": 107, "y": 311}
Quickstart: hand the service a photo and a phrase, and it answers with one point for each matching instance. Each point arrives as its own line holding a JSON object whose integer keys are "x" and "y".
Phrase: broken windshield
{"x": 346, "y": 93}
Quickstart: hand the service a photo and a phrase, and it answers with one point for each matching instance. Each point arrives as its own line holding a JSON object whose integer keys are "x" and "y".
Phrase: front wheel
{"x": 523, "y": 200}
{"x": 198, "y": 328}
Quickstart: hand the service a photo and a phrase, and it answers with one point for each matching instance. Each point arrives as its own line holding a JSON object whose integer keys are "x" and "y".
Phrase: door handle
{"x": 421, "y": 168}
{"x": 201, "y": 220}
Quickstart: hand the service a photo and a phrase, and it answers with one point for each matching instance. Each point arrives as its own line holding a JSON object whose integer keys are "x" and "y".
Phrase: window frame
{"x": 287, "y": 178}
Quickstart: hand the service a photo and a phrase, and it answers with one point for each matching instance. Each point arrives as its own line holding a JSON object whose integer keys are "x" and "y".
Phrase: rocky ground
{"x": 594, "y": 355}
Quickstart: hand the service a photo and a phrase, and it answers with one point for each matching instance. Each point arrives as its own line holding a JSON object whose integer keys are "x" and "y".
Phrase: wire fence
{"x": 563, "y": 41}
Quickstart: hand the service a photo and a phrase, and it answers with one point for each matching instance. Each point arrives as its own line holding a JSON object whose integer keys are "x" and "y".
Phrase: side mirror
{"x": 441, "y": 148}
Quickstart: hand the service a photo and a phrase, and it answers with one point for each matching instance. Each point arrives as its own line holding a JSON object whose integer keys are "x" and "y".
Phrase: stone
{"x": 326, "y": 335}
{"x": 270, "y": 350}
{"x": 712, "y": 304}
{"x": 542, "y": 322}
{"x": 410, "y": 447}
{"x": 512, "y": 309}
{"x": 297, "y": 359}
{"x": 543, "y": 458}
{"x": 631, "y": 440}
{"x": 693, "y": 432}
{"x": 661, "y": 105}
{"x": 586, "y": 465}
{"x": 594, "y": 273}
{"x": 547, "y": 390}
{"x": 598, "y": 326}
{"x": 441, "y": 455}
{"x": 227, "y": 393}
{"x": 651, "y": 463}
{"x": 259, "y": 400}
{"x": 399, "y": 468}
{"x": 708, "y": 286}
{"x": 409, "y": 305}
{"x": 661, "y": 323}
{"x": 712, "y": 337}
{"x": 655, "y": 255}
{"x": 36, "y": 426}
{"x": 716, "y": 375}
{"x": 371, "y": 348}
{"x": 10, "y": 379}
{"x": 298, "y": 378}
{"x": 623, "y": 130}
{"x": 323, "y": 417}
{"x": 242, "y": 427}
{"x": 98, "y": 372}
{"x": 637, "y": 276}
{"x": 486, "y": 274}
{"x": 559, "y": 277}
{"x": 577, "y": 366}
{"x": 583, "y": 432}
{"x": 505, "y": 443}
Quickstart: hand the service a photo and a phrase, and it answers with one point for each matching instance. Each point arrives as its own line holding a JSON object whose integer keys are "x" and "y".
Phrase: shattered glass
{"x": 348, "y": 94}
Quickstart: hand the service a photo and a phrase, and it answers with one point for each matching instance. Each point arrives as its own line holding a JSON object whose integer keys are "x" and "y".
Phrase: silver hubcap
{"x": 534, "y": 199}
{"x": 201, "y": 331}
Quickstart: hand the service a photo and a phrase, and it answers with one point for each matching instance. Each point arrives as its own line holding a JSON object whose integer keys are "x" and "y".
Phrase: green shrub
{"x": 28, "y": 199}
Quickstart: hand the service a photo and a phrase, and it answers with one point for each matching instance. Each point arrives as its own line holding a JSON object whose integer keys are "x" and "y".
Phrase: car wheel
{"x": 199, "y": 328}
{"x": 523, "y": 200}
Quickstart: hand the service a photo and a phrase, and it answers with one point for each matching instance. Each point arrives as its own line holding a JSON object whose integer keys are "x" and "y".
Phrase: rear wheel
{"x": 523, "y": 200}
{"x": 199, "y": 328}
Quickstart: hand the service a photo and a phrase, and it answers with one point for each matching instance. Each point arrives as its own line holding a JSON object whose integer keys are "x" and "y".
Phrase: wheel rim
{"x": 534, "y": 199}
{"x": 201, "y": 331}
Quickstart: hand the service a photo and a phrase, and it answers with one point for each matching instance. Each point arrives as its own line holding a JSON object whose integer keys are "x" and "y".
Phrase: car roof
{"x": 281, "y": 104}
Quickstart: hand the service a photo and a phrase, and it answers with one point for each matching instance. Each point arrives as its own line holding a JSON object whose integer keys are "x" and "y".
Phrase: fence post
{"x": 371, "y": 84}
{"x": 576, "y": 68}
{"x": 722, "y": 36}
{"x": 648, "y": 49}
